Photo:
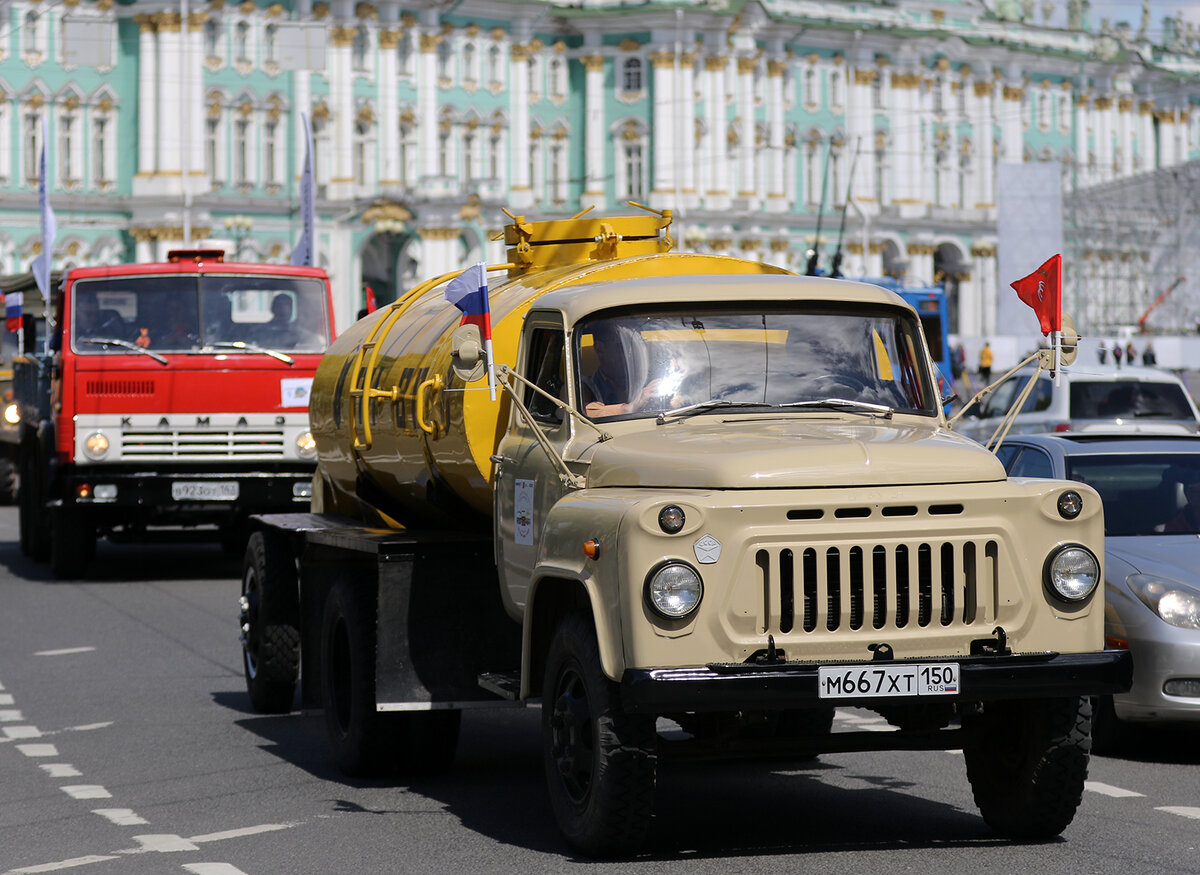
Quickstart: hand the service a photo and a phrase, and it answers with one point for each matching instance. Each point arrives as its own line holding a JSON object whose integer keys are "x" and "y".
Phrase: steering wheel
{"x": 850, "y": 381}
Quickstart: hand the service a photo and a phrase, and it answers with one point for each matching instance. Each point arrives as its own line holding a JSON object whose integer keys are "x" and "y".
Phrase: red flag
{"x": 371, "y": 303}
{"x": 1042, "y": 290}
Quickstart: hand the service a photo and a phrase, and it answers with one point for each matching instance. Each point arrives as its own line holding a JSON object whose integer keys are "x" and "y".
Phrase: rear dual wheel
{"x": 270, "y": 619}
{"x": 72, "y": 543}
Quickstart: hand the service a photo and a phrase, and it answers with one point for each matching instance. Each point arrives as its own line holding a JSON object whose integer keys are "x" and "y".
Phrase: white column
{"x": 1125, "y": 133}
{"x": 1103, "y": 119}
{"x": 662, "y": 129}
{"x": 1082, "y": 171}
{"x": 1145, "y": 123}
{"x": 147, "y": 95}
{"x": 717, "y": 197}
{"x": 1012, "y": 124}
{"x": 198, "y": 180}
{"x": 685, "y": 140}
{"x": 520, "y": 186}
{"x": 745, "y": 111}
{"x": 985, "y": 140}
{"x": 341, "y": 96}
{"x": 427, "y": 123}
{"x": 860, "y": 124}
{"x": 1166, "y": 138}
{"x": 905, "y": 124}
{"x": 389, "y": 110}
{"x": 594, "y": 133}
{"x": 776, "y": 193}
{"x": 170, "y": 110}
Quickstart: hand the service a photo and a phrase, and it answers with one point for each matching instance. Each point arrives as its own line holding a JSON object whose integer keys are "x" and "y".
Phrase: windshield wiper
{"x": 846, "y": 404}
{"x": 253, "y": 347}
{"x": 123, "y": 344}
{"x": 712, "y": 404}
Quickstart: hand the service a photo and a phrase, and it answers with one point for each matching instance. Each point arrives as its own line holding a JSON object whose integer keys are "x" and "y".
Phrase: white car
{"x": 1130, "y": 400}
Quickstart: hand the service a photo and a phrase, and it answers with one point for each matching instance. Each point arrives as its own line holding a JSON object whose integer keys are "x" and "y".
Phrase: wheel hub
{"x": 572, "y": 741}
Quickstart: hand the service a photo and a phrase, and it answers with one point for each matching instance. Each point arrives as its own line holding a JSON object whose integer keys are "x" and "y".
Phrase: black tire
{"x": 72, "y": 544}
{"x": 270, "y": 615}
{"x": 1110, "y": 734}
{"x": 600, "y": 762}
{"x": 1027, "y": 762}
{"x": 8, "y": 481}
{"x": 34, "y": 521}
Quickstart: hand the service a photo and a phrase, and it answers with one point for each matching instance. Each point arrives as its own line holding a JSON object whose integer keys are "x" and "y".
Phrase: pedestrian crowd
{"x": 1128, "y": 353}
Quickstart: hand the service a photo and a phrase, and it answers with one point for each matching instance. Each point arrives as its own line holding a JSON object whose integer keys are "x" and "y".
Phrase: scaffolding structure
{"x": 1127, "y": 243}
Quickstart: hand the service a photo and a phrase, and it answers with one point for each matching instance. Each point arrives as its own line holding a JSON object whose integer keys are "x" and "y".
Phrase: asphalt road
{"x": 127, "y": 745}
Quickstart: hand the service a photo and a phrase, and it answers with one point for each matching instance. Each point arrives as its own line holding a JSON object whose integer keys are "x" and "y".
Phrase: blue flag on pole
{"x": 305, "y": 253}
{"x": 41, "y": 265}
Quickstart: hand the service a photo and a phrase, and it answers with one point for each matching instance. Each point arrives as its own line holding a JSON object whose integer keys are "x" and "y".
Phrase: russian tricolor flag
{"x": 469, "y": 292}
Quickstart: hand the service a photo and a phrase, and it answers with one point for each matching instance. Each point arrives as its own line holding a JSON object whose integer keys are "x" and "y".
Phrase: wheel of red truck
{"x": 1027, "y": 762}
{"x": 35, "y": 535}
{"x": 72, "y": 544}
{"x": 600, "y": 761}
{"x": 8, "y": 481}
{"x": 270, "y": 613}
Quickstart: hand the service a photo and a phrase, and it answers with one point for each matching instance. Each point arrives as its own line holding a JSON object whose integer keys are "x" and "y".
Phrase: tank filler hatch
{"x": 561, "y": 242}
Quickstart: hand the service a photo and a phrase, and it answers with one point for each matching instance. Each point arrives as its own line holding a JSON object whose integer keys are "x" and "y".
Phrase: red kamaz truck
{"x": 167, "y": 398}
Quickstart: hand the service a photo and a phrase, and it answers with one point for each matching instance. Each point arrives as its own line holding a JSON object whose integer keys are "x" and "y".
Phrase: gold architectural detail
{"x": 629, "y": 133}
{"x": 629, "y": 44}
{"x": 216, "y": 5}
{"x": 365, "y": 115}
{"x": 779, "y": 245}
{"x": 70, "y": 4}
{"x": 1083, "y": 100}
{"x": 938, "y": 15}
{"x": 881, "y": 61}
{"x": 838, "y": 59}
{"x": 366, "y": 11}
{"x": 520, "y": 53}
{"x": 168, "y": 22}
{"x": 906, "y": 80}
{"x": 498, "y": 34}
{"x": 71, "y": 103}
{"x": 921, "y": 249}
{"x": 447, "y": 28}
{"x": 854, "y": 248}
{"x": 196, "y": 20}
{"x": 775, "y": 69}
{"x": 875, "y": 248}
{"x": 719, "y": 243}
{"x": 245, "y": 109}
{"x": 1125, "y": 104}
{"x": 536, "y": 45}
{"x": 105, "y": 104}
{"x": 438, "y": 233}
{"x": 407, "y": 116}
{"x": 472, "y": 30}
{"x": 983, "y": 89}
{"x": 943, "y": 64}
{"x": 559, "y": 47}
{"x": 814, "y": 58}
{"x": 35, "y": 101}
{"x": 214, "y": 106}
{"x": 1014, "y": 93}
{"x": 1045, "y": 84}
{"x": 275, "y": 10}
{"x": 381, "y": 210}
{"x": 320, "y": 11}
{"x": 865, "y": 77}
{"x": 593, "y": 63}
{"x": 688, "y": 59}
{"x": 429, "y": 42}
{"x": 662, "y": 59}
{"x": 965, "y": 70}
{"x": 747, "y": 65}
{"x": 320, "y": 112}
{"x": 1104, "y": 103}
{"x": 247, "y": 8}
{"x": 104, "y": 5}
{"x": 1146, "y": 107}
{"x": 715, "y": 63}
{"x": 144, "y": 22}
{"x": 341, "y": 37}
{"x": 390, "y": 39}
{"x": 749, "y": 244}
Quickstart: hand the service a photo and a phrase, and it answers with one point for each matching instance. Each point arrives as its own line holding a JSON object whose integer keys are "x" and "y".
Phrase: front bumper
{"x": 146, "y": 497}
{"x": 747, "y": 686}
{"x": 1166, "y": 654}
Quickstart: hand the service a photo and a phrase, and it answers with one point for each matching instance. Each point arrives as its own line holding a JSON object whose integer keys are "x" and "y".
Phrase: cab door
{"x": 527, "y": 482}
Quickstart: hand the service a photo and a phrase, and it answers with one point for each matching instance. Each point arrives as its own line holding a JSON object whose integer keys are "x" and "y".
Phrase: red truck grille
{"x": 118, "y": 388}
{"x": 820, "y": 589}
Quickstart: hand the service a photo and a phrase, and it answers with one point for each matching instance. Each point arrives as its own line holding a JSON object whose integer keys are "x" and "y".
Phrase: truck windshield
{"x": 189, "y": 313}
{"x": 645, "y": 363}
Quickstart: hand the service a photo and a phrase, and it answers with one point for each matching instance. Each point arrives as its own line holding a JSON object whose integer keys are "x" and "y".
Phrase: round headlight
{"x": 306, "y": 445}
{"x": 671, "y": 519}
{"x": 674, "y": 590}
{"x": 1072, "y": 573}
{"x": 12, "y": 413}
{"x": 1070, "y": 504}
{"x": 95, "y": 445}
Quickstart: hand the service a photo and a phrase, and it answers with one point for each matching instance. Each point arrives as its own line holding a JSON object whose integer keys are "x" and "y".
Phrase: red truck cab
{"x": 173, "y": 396}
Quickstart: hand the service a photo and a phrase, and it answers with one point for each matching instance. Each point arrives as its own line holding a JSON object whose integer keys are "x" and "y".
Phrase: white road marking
{"x": 1, "y": 686}
{"x": 86, "y": 791}
{"x": 10, "y": 716}
{"x": 6, "y": 699}
{"x": 1109, "y": 790}
{"x": 87, "y": 727}
{"x": 239, "y": 833}
{"x": 38, "y": 750}
{"x": 66, "y": 651}
{"x": 120, "y": 816}
{"x": 22, "y": 732}
{"x": 164, "y": 844}
{"x": 1181, "y": 810}
{"x": 213, "y": 869}
{"x": 61, "y": 770}
{"x": 60, "y": 865}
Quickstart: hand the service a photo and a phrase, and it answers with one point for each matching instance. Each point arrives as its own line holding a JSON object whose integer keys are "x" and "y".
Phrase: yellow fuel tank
{"x": 398, "y": 441}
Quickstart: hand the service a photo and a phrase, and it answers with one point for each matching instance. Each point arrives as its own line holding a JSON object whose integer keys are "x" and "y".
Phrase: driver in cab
{"x": 621, "y": 367}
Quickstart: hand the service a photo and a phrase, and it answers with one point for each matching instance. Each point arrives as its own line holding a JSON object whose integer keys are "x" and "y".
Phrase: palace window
{"x": 445, "y": 60}
{"x": 810, "y": 87}
{"x": 364, "y": 153}
{"x": 212, "y": 152}
{"x": 32, "y": 141}
{"x": 404, "y": 54}
{"x": 408, "y": 154}
{"x": 212, "y": 37}
{"x": 271, "y": 153}
{"x": 495, "y": 71}
{"x": 68, "y": 168}
{"x": 359, "y": 48}
{"x": 634, "y": 161}
{"x": 241, "y": 152}
{"x": 835, "y": 89}
{"x": 241, "y": 42}
{"x": 469, "y": 60}
{"x": 271, "y": 43}
{"x": 631, "y": 75}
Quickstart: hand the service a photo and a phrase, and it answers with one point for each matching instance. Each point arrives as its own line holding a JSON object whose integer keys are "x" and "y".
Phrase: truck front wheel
{"x": 269, "y": 619}
{"x": 1027, "y": 762}
{"x": 35, "y": 537}
{"x": 72, "y": 544}
{"x": 600, "y": 761}
{"x": 8, "y": 480}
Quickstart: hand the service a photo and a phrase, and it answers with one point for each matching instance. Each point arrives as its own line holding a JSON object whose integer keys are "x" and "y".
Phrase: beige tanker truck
{"x": 711, "y": 497}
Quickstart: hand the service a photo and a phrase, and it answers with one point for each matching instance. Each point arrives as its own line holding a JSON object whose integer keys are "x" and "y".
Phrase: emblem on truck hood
{"x": 707, "y": 550}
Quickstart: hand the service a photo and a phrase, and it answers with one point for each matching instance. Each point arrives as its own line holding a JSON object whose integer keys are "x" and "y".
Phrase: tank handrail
{"x": 374, "y": 340}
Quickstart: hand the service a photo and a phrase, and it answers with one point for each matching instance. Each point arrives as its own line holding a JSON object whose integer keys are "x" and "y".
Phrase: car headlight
{"x": 1072, "y": 573}
{"x": 12, "y": 413}
{"x": 1174, "y": 603}
{"x": 306, "y": 446}
{"x": 95, "y": 445}
{"x": 674, "y": 590}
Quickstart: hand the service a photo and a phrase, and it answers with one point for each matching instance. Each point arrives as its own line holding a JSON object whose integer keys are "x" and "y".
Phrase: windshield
{"x": 186, "y": 313}
{"x": 1144, "y": 494}
{"x": 1128, "y": 399}
{"x": 646, "y": 363}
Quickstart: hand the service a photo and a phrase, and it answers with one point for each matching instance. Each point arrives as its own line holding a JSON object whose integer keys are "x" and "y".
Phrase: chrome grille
{"x": 830, "y": 588}
{"x": 230, "y": 443}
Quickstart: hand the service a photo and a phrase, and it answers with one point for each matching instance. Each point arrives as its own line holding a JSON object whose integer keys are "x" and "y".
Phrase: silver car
{"x": 1150, "y": 486}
